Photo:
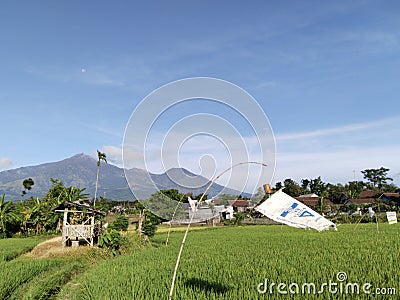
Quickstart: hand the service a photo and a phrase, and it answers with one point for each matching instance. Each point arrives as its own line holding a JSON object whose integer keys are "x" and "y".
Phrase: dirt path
{"x": 51, "y": 248}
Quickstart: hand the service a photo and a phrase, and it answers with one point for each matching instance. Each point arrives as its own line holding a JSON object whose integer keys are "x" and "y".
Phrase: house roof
{"x": 391, "y": 195}
{"x": 370, "y": 194}
{"x": 361, "y": 201}
{"x": 239, "y": 203}
{"x": 67, "y": 204}
{"x": 312, "y": 201}
{"x": 312, "y": 195}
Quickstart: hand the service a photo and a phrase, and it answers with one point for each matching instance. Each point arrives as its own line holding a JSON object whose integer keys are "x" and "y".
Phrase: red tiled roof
{"x": 395, "y": 195}
{"x": 369, "y": 194}
{"x": 362, "y": 201}
{"x": 312, "y": 201}
{"x": 239, "y": 203}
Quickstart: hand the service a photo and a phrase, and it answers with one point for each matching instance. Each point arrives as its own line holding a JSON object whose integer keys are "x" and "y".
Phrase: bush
{"x": 111, "y": 240}
{"x": 150, "y": 224}
{"x": 120, "y": 224}
{"x": 239, "y": 217}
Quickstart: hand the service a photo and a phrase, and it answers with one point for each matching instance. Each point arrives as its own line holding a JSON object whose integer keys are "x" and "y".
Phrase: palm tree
{"x": 101, "y": 157}
{"x": 7, "y": 214}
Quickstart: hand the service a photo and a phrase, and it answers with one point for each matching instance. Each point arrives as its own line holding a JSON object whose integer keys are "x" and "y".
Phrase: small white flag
{"x": 192, "y": 204}
{"x": 282, "y": 208}
{"x": 371, "y": 212}
{"x": 391, "y": 216}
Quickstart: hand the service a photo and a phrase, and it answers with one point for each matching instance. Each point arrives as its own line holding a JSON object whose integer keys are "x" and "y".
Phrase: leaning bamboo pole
{"x": 171, "y": 291}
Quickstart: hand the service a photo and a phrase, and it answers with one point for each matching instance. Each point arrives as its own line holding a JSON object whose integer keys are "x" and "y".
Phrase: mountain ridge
{"x": 80, "y": 170}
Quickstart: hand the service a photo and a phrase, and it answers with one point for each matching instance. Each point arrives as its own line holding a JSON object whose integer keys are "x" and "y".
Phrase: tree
{"x": 335, "y": 192}
{"x": 317, "y": 186}
{"x": 292, "y": 188}
{"x": 305, "y": 183}
{"x": 27, "y": 183}
{"x": 7, "y": 215}
{"x": 377, "y": 177}
{"x": 278, "y": 185}
{"x": 59, "y": 193}
{"x": 150, "y": 223}
{"x": 259, "y": 196}
{"x": 353, "y": 189}
{"x": 101, "y": 157}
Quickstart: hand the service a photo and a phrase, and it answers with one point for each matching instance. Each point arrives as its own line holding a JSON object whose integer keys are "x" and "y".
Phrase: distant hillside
{"x": 80, "y": 171}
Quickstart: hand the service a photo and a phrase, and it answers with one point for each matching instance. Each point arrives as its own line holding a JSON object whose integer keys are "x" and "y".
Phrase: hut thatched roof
{"x": 83, "y": 207}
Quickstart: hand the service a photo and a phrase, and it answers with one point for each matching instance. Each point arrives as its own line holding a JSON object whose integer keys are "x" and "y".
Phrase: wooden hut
{"x": 78, "y": 222}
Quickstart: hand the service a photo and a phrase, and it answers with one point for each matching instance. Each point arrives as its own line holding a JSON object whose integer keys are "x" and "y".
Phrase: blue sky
{"x": 325, "y": 73}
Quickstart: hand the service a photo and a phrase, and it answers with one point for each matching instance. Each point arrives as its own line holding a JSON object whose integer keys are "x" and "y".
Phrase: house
{"x": 360, "y": 201}
{"x": 390, "y": 197}
{"x": 314, "y": 201}
{"x": 366, "y": 198}
{"x": 239, "y": 205}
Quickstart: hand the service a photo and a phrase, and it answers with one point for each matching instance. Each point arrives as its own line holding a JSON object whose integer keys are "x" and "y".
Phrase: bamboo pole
{"x": 171, "y": 291}
{"x": 170, "y": 222}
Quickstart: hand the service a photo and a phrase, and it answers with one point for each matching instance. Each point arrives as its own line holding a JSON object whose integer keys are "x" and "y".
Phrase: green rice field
{"x": 249, "y": 262}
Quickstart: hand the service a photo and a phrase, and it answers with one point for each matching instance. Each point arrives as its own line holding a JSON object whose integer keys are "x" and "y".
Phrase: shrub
{"x": 150, "y": 224}
{"x": 111, "y": 240}
{"x": 120, "y": 224}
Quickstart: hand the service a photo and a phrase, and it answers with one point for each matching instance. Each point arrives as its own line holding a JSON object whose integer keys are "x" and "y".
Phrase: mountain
{"x": 80, "y": 171}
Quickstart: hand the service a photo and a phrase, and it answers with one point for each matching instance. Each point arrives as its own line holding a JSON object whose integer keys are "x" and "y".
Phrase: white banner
{"x": 282, "y": 208}
{"x": 391, "y": 217}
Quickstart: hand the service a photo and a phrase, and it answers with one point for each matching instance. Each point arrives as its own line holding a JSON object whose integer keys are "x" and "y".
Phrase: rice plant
{"x": 234, "y": 262}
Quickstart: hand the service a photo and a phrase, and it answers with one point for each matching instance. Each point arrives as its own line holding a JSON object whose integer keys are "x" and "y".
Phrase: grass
{"x": 12, "y": 248}
{"x": 230, "y": 262}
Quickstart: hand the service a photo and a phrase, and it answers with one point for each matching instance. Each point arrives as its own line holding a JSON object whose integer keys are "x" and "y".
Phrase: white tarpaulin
{"x": 285, "y": 209}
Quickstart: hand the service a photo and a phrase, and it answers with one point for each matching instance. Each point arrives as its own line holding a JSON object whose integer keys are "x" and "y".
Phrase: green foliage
{"x": 165, "y": 202}
{"x": 59, "y": 193}
{"x": 377, "y": 177}
{"x": 150, "y": 224}
{"x": 12, "y": 248}
{"x": 27, "y": 184}
{"x": 172, "y": 194}
{"x": 120, "y": 224}
{"x": 7, "y": 216}
{"x": 317, "y": 186}
{"x": 101, "y": 156}
{"x": 111, "y": 240}
{"x": 292, "y": 188}
{"x": 239, "y": 217}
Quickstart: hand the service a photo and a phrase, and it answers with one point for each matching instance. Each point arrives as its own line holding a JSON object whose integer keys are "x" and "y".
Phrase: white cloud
{"x": 5, "y": 162}
{"x": 114, "y": 154}
{"x": 357, "y": 127}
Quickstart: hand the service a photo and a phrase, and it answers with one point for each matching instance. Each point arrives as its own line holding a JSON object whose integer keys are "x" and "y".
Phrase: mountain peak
{"x": 82, "y": 156}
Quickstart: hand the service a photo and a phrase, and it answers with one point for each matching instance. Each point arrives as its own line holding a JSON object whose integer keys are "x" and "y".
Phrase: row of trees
{"x": 34, "y": 216}
{"x": 374, "y": 179}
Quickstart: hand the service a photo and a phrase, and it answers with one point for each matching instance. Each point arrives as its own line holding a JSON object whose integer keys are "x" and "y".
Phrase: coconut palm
{"x": 101, "y": 157}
